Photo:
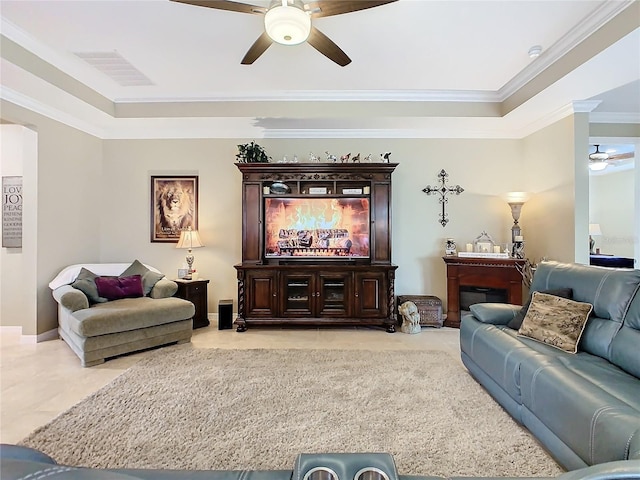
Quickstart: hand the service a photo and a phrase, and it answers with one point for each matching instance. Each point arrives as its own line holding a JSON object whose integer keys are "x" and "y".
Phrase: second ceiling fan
{"x": 289, "y": 22}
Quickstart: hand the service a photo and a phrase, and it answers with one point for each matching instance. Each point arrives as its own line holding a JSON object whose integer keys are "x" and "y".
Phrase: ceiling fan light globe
{"x": 597, "y": 165}
{"x": 287, "y": 25}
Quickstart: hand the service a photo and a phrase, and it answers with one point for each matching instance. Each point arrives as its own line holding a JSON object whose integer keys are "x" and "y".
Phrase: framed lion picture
{"x": 174, "y": 206}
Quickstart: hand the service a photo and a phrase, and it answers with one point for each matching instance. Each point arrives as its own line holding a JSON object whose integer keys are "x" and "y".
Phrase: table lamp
{"x": 189, "y": 239}
{"x": 594, "y": 229}
{"x": 516, "y": 200}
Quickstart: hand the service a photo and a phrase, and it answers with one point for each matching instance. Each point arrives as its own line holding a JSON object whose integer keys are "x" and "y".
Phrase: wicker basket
{"x": 429, "y": 307}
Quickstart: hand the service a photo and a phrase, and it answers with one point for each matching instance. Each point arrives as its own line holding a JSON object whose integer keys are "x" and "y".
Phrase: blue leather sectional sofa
{"x": 22, "y": 463}
{"x": 584, "y": 407}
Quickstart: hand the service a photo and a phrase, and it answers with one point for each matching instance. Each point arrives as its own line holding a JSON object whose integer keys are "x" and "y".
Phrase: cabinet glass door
{"x": 299, "y": 293}
{"x": 333, "y": 294}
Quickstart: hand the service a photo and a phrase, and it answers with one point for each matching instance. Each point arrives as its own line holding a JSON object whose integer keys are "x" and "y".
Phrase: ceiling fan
{"x": 289, "y": 22}
{"x": 600, "y": 160}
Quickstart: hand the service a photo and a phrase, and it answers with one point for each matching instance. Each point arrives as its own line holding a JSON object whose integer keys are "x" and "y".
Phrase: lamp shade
{"x": 594, "y": 229}
{"x": 517, "y": 197}
{"x": 189, "y": 239}
{"x": 287, "y": 24}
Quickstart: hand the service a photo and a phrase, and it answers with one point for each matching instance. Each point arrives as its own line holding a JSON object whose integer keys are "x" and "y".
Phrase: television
{"x": 316, "y": 227}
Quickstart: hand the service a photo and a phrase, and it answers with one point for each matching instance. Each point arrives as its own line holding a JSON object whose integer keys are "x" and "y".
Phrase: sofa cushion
{"x": 129, "y": 314}
{"x": 115, "y": 288}
{"x": 556, "y": 321}
{"x": 149, "y": 277}
{"x": 588, "y": 403}
{"x": 516, "y": 322}
{"x": 625, "y": 345}
{"x": 86, "y": 283}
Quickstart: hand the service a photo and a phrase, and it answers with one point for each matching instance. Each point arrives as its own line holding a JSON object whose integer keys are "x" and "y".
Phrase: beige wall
{"x": 556, "y": 174}
{"x": 485, "y": 168}
{"x": 17, "y": 301}
{"x": 611, "y": 206}
{"x": 93, "y": 200}
{"x": 67, "y": 185}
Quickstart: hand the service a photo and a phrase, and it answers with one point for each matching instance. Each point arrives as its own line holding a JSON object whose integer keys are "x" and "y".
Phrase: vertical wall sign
{"x": 12, "y": 212}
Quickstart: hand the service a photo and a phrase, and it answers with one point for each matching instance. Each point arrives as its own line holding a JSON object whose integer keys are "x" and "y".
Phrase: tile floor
{"x": 39, "y": 381}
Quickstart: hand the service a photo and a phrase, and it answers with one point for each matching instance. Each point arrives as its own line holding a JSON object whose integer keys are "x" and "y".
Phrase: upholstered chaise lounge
{"x": 98, "y": 328}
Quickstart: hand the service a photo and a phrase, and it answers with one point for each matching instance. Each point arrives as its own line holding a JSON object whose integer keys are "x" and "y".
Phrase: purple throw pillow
{"x": 114, "y": 288}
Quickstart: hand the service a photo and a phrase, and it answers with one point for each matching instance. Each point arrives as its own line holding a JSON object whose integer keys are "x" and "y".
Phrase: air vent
{"x": 113, "y": 65}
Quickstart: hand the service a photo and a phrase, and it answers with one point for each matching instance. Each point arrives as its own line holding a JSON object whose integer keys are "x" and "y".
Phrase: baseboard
{"x": 30, "y": 339}
{"x": 213, "y": 319}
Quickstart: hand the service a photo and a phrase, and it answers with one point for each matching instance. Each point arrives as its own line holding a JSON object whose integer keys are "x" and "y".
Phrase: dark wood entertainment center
{"x": 323, "y": 290}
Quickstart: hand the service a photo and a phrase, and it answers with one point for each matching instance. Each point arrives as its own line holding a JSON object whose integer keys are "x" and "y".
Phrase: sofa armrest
{"x": 18, "y": 452}
{"x": 164, "y": 288}
{"x": 71, "y": 298}
{"x": 622, "y": 470}
{"x": 494, "y": 313}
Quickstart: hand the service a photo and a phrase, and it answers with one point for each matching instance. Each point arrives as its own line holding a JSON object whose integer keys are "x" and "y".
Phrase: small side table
{"x": 196, "y": 292}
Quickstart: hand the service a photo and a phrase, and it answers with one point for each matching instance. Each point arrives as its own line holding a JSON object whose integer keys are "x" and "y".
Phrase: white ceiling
{"x": 420, "y": 68}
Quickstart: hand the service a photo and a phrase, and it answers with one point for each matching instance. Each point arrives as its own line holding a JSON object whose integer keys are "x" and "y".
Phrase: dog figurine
{"x": 410, "y": 318}
{"x": 345, "y": 158}
{"x": 385, "y": 157}
{"x": 356, "y": 159}
{"x": 331, "y": 158}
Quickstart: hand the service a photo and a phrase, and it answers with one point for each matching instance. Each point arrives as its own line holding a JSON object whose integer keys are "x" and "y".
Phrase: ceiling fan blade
{"x": 328, "y": 8}
{"x": 325, "y": 46}
{"x": 621, "y": 156}
{"x": 226, "y": 5}
{"x": 258, "y": 48}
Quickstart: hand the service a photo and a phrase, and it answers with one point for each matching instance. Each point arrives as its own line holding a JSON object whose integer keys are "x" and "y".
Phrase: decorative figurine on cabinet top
{"x": 385, "y": 157}
{"x": 331, "y": 158}
{"x": 450, "y": 247}
{"x": 356, "y": 159}
{"x": 369, "y": 158}
{"x": 313, "y": 158}
{"x": 345, "y": 158}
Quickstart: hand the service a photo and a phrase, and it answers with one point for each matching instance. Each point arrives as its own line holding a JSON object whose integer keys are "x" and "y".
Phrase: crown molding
{"x": 330, "y": 96}
{"x": 600, "y": 16}
{"x": 36, "y": 106}
{"x": 585, "y": 106}
{"x": 614, "y": 117}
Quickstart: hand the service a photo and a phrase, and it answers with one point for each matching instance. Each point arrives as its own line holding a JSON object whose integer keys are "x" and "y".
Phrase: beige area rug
{"x": 189, "y": 408}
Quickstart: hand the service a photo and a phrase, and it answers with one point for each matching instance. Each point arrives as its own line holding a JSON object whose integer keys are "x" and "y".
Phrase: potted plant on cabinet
{"x": 251, "y": 153}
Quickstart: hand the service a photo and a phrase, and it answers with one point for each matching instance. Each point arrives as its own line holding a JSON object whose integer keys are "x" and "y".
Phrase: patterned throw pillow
{"x": 516, "y": 322}
{"x": 556, "y": 321}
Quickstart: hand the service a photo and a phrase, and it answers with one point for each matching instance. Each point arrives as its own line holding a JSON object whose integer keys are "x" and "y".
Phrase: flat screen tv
{"x": 316, "y": 227}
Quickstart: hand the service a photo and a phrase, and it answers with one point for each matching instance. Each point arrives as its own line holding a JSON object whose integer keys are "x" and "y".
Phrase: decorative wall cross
{"x": 442, "y": 191}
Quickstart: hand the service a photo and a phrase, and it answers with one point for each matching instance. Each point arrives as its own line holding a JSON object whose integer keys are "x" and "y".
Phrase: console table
{"x": 482, "y": 273}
